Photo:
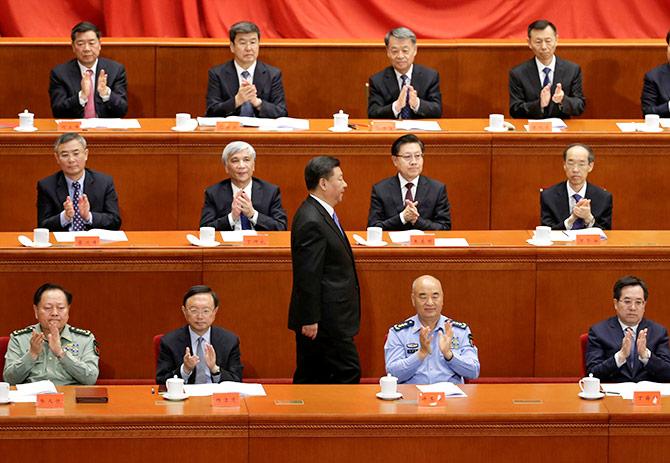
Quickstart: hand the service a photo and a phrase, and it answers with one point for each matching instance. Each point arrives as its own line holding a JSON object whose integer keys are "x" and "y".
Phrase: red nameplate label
{"x": 431, "y": 399}
{"x": 588, "y": 239}
{"x": 422, "y": 240}
{"x": 647, "y": 398}
{"x": 226, "y": 399}
{"x": 382, "y": 125}
{"x": 539, "y": 126}
{"x": 87, "y": 241}
{"x": 222, "y": 126}
{"x": 256, "y": 240}
{"x": 69, "y": 126}
{"x": 50, "y": 400}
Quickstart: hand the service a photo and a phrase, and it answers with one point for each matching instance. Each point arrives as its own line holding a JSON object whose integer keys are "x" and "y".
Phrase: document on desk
{"x": 27, "y": 392}
{"x": 449, "y": 389}
{"x": 263, "y": 123}
{"x": 557, "y": 124}
{"x": 626, "y": 390}
{"x": 105, "y": 123}
{"x": 413, "y": 124}
{"x": 245, "y": 389}
{"x": 403, "y": 236}
{"x": 451, "y": 242}
{"x": 104, "y": 235}
{"x": 571, "y": 235}
{"x": 641, "y": 127}
{"x": 236, "y": 236}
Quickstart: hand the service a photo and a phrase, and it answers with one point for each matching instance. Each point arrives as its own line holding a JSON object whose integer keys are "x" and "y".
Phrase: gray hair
{"x": 400, "y": 33}
{"x": 69, "y": 136}
{"x": 235, "y": 147}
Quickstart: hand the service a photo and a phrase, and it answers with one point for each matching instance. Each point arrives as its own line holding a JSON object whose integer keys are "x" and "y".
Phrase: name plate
{"x": 224, "y": 126}
{"x": 50, "y": 400}
{"x": 647, "y": 398}
{"x": 422, "y": 240}
{"x": 226, "y": 399}
{"x": 256, "y": 240}
{"x": 69, "y": 126}
{"x": 382, "y": 125}
{"x": 87, "y": 241}
{"x": 539, "y": 126}
{"x": 431, "y": 399}
{"x": 588, "y": 239}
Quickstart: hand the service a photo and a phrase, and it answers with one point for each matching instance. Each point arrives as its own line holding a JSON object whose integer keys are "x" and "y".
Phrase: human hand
{"x": 545, "y": 96}
{"x": 558, "y": 94}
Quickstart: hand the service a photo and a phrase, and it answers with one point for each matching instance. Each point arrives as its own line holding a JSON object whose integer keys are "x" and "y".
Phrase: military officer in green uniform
{"x": 51, "y": 349}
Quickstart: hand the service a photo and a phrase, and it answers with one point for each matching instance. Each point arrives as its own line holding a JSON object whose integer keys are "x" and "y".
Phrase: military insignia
{"x": 403, "y": 325}
{"x": 26, "y": 330}
{"x": 454, "y": 343}
{"x": 412, "y": 347}
{"x": 460, "y": 325}
{"x": 72, "y": 348}
{"x": 470, "y": 338}
{"x": 80, "y": 331}
{"x": 96, "y": 348}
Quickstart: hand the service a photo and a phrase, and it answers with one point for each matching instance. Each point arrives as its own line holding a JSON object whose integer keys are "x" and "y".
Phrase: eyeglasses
{"x": 411, "y": 157}
{"x": 635, "y": 302}
{"x": 196, "y": 311}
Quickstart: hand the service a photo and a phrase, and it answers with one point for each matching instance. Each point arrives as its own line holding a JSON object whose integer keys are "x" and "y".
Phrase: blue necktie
{"x": 337, "y": 222}
{"x": 546, "y": 77}
{"x": 579, "y": 223}
{"x": 200, "y": 369}
{"x": 77, "y": 221}
{"x": 406, "y": 112}
{"x": 633, "y": 351}
{"x": 246, "y": 223}
{"x": 246, "y": 110}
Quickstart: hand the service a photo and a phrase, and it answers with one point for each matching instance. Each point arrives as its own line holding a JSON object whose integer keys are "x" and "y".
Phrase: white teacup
{"x": 542, "y": 233}
{"x": 26, "y": 120}
{"x": 652, "y": 121}
{"x": 183, "y": 121}
{"x": 175, "y": 386}
{"x": 40, "y": 236}
{"x": 590, "y": 385}
{"x": 374, "y": 234}
{"x": 4, "y": 392}
{"x": 496, "y": 121}
{"x": 389, "y": 384}
{"x": 340, "y": 120}
{"x": 207, "y": 234}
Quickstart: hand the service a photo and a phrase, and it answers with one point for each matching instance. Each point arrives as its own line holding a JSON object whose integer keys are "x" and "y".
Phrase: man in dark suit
{"x": 88, "y": 86}
{"x": 76, "y": 198}
{"x": 242, "y": 202}
{"x": 545, "y": 86}
{"x": 628, "y": 347}
{"x": 575, "y": 204}
{"x": 325, "y": 302}
{"x": 199, "y": 352}
{"x": 656, "y": 89}
{"x": 245, "y": 86}
{"x": 404, "y": 90}
{"x": 409, "y": 200}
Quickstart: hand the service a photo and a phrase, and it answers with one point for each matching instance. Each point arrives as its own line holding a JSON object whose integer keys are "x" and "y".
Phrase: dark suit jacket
{"x": 325, "y": 283}
{"x": 656, "y": 91}
{"x": 65, "y": 84}
{"x": 555, "y": 206}
{"x": 525, "y": 87}
{"x": 605, "y": 340}
{"x": 384, "y": 90}
{"x": 265, "y": 197}
{"x": 387, "y": 203}
{"x": 99, "y": 187}
{"x": 224, "y": 84}
{"x": 173, "y": 346}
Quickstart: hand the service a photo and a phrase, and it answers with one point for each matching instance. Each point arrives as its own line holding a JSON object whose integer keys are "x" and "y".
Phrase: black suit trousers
{"x": 326, "y": 360}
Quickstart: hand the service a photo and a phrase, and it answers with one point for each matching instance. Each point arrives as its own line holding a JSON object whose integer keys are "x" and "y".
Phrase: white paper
{"x": 452, "y": 242}
{"x": 414, "y": 124}
{"x": 665, "y": 123}
{"x": 640, "y": 126}
{"x": 626, "y": 390}
{"x": 262, "y": 123}
{"x": 449, "y": 389}
{"x": 105, "y": 123}
{"x": 245, "y": 389}
{"x": 39, "y": 387}
{"x": 104, "y": 235}
{"x": 403, "y": 236}
{"x": 17, "y": 397}
{"x": 627, "y": 126}
{"x": 236, "y": 236}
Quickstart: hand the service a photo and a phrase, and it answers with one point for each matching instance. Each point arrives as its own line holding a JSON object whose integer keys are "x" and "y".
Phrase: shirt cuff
{"x": 646, "y": 360}
{"x": 402, "y": 218}
{"x": 64, "y": 221}
{"x": 254, "y": 218}
{"x": 619, "y": 361}
{"x": 231, "y": 221}
{"x": 90, "y": 220}
{"x": 416, "y": 110}
{"x": 82, "y": 100}
{"x": 105, "y": 99}
{"x": 395, "y": 112}
{"x": 184, "y": 376}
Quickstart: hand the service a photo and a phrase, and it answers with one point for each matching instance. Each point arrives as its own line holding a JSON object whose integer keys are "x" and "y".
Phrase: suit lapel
{"x": 395, "y": 194}
{"x": 559, "y": 74}
{"x": 417, "y": 79}
{"x": 261, "y": 79}
{"x": 331, "y": 223}
{"x": 421, "y": 191}
{"x": 665, "y": 82}
{"x": 231, "y": 78}
{"x": 391, "y": 83}
{"x": 256, "y": 194}
{"x": 562, "y": 201}
{"x": 89, "y": 187}
{"x": 532, "y": 75}
{"x": 61, "y": 188}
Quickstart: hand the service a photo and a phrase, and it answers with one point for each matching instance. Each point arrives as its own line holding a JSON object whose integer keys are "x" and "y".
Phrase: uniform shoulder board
{"x": 460, "y": 325}
{"x": 81, "y": 331}
{"x": 403, "y": 325}
{"x": 26, "y": 330}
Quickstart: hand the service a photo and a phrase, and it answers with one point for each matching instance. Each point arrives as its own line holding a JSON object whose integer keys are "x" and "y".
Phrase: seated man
{"x": 404, "y": 90}
{"x": 428, "y": 347}
{"x": 546, "y": 86}
{"x": 51, "y": 349}
{"x": 242, "y": 202}
{"x": 656, "y": 89}
{"x": 628, "y": 347}
{"x": 76, "y": 198}
{"x": 409, "y": 200}
{"x": 574, "y": 204}
{"x": 199, "y": 352}
{"x": 88, "y": 86}
{"x": 245, "y": 86}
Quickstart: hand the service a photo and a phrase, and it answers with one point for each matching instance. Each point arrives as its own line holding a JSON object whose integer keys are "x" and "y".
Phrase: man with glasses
{"x": 575, "y": 204}
{"x": 629, "y": 347}
{"x": 76, "y": 198}
{"x": 199, "y": 352}
{"x": 409, "y": 200}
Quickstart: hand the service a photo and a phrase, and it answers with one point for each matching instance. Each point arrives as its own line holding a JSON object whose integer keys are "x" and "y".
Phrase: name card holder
{"x": 539, "y": 126}
{"x": 382, "y": 126}
{"x": 587, "y": 239}
{"x": 50, "y": 400}
{"x": 256, "y": 240}
{"x": 431, "y": 399}
{"x": 226, "y": 399}
{"x": 422, "y": 240}
{"x": 646, "y": 398}
{"x": 222, "y": 126}
{"x": 87, "y": 241}
{"x": 69, "y": 126}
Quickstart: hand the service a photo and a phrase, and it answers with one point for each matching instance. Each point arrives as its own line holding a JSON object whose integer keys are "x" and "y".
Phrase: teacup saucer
{"x": 392, "y": 396}
{"x": 176, "y": 398}
{"x": 492, "y": 129}
{"x": 539, "y": 243}
{"x": 375, "y": 243}
{"x": 333, "y": 129}
{"x": 597, "y": 396}
{"x": 6, "y": 401}
{"x": 29, "y": 129}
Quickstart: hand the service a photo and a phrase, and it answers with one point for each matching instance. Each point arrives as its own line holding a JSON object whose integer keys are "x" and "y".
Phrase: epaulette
{"x": 460, "y": 325}
{"x": 82, "y": 331}
{"x": 403, "y": 325}
{"x": 26, "y": 330}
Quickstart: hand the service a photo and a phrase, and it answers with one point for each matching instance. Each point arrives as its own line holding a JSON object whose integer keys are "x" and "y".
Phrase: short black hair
{"x": 318, "y": 168}
{"x": 540, "y": 25}
{"x": 667, "y": 38}
{"x": 243, "y": 27}
{"x": 200, "y": 289}
{"x": 82, "y": 27}
{"x": 409, "y": 138}
{"x": 49, "y": 287}
{"x": 592, "y": 155}
{"x": 629, "y": 280}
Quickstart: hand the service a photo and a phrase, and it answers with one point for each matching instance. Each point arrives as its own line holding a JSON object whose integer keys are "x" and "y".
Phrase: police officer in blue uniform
{"x": 429, "y": 347}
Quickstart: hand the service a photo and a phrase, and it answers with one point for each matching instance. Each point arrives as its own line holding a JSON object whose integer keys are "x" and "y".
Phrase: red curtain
{"x": 364, "y": 19}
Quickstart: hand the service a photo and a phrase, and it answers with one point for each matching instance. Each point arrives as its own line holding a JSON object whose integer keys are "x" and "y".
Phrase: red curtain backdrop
{"x": 346, "y": 19}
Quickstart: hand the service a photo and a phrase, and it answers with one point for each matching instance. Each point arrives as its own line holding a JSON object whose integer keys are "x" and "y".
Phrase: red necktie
{"x": 408, "y": 195}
